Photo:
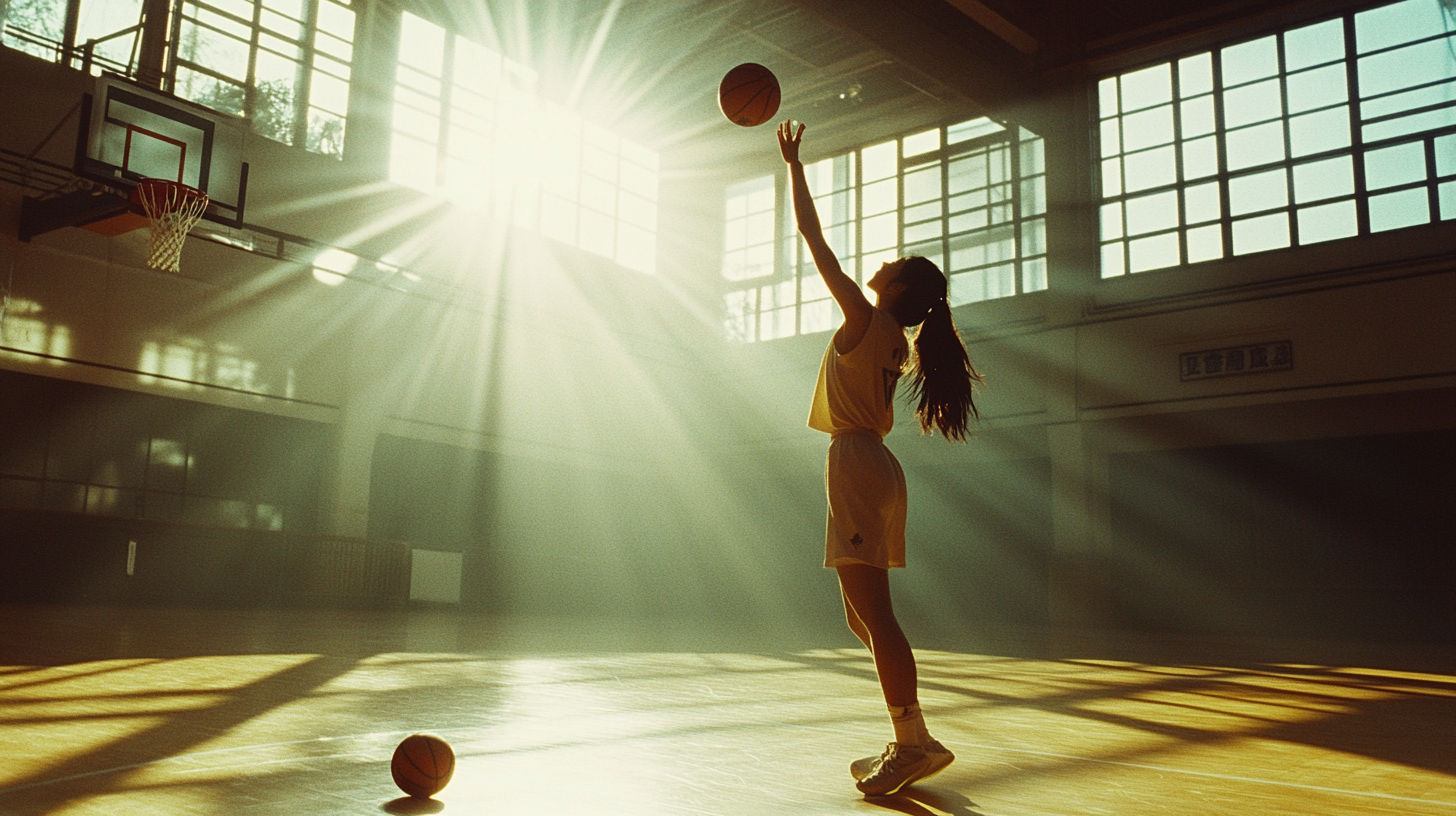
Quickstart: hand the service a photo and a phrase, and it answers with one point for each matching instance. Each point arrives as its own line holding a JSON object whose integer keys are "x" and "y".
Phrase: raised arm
{"x": 846, "y": 292}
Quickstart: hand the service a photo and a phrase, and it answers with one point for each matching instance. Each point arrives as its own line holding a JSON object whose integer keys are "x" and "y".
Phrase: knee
{"x": 879, "y": 622}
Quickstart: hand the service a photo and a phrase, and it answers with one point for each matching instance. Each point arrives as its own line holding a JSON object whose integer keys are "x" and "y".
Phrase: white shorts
{"x": 866, "y": 489}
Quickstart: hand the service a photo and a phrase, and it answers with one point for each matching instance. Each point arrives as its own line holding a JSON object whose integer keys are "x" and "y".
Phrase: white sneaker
{"x": 940, "y": 755}
{"x": 901, "y": 765}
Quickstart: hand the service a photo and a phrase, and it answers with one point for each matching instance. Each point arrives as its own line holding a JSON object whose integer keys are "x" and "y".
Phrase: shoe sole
{"x": 860, "y": 768}
{"x": 935, "y": 767}
{"x": 894, "y": 790}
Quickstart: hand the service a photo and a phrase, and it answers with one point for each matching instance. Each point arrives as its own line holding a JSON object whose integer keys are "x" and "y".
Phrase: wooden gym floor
{"x": 122, "y": 711}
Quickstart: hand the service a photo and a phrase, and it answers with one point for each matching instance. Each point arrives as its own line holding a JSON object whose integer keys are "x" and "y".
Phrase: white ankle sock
{"x": 909, "y": 725}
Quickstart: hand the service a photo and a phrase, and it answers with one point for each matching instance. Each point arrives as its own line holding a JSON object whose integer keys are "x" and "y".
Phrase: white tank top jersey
{"x": 856, "y": 391}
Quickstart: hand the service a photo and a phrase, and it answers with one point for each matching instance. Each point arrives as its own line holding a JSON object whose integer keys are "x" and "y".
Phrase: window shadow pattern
{"x": 266, "y": 709}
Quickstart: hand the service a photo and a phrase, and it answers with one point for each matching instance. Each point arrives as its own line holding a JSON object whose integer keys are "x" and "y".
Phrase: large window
{"x": 971, "y": 197}
{"x": 94, "y": 35}
{"x": 468, "y": 125}
{"x": 281, "y": 64}
{"x": 1342, "y": 128}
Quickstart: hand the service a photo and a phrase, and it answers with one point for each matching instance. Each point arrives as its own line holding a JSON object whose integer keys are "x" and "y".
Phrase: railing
{"x": 32, "y": 174}
{"x": 88, "y": 51}
{"x": 84, "y": 53}
{"x": 50, "y": 556}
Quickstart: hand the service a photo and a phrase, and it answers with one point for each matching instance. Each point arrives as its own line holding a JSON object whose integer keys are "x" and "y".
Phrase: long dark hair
{"x": 941, "y": 374}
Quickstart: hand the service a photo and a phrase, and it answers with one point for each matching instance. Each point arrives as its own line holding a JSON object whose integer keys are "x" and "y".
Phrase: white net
{"x": 172, "y": 210}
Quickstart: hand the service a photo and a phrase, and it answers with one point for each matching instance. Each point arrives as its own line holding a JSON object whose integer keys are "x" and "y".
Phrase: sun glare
{"x": 470, "y": 126}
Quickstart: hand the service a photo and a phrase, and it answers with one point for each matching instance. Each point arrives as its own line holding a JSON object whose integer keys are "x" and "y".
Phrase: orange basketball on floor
{"x": 422, "y": 765}
{"x": 749, "y": 95}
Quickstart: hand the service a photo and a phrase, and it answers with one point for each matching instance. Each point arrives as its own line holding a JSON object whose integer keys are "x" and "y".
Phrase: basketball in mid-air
{"x": 422, "y": 765}
{"x": 749, "y": 95}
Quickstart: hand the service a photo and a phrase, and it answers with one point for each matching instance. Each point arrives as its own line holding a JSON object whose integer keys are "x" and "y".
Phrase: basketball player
{"x": 853, "y": 403}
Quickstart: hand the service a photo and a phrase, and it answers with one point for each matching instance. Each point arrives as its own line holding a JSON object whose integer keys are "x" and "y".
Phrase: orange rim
{"x": 169, "y": 195}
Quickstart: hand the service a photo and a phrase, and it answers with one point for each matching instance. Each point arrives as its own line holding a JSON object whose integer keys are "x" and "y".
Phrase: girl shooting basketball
{"x": 853, "y": 403}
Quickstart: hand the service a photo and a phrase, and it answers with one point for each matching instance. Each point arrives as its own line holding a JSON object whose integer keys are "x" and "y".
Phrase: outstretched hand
{"x": 789, "y": 139}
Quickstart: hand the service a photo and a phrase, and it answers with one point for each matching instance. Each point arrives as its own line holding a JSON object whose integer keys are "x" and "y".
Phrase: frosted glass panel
{"x": 1201, "y": 203}
{"x": 1253, "y": 146}
{"x": 1151, "y": 168}
{"x": 1327, "y": 222}
{"x": 1195, "y": 75}
{"x": 1396, "y": 165}
{"x": 1398, "y": 23}
{"x": 1148, "y": 128}
{"x": 1314, "y": 45}
{"x": 1330, "y": 178}
{"x": 1112, "y": 260}
{"x": 1249, "y": 61}
{"x": 1261, "y": 234}
{"x": 1406, "y": 208}
{"x": 1148, "y": 87}
{"x": 1253, "y": 103}
{"x": 1111, "y": 221}
{"x": 1261, "y": 191}
{"x": 1317, "y": 132}
{"x": 1200, "y": 158}
{"x": 1318, "y": 88}
{"x": 1205, "y": 243}
{"x": 1156, "y": 252}
{"x": 1152, "y": 213}
{"x": 1106, "y": 97}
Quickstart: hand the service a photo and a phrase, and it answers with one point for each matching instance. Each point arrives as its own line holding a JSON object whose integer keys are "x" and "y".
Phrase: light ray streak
{"x": 592, "y": 53}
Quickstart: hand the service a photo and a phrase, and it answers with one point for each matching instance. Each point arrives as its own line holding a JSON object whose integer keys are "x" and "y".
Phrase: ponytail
{"x": 941, "y": 375}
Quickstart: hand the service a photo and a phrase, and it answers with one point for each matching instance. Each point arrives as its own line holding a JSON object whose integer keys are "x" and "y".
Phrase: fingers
{"x": 789, "y": 139}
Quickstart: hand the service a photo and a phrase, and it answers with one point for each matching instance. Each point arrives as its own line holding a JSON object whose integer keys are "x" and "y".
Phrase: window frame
{"x": 1302, "y": 256}
{"x": 310, "y": 60}
{"x": 756, "y": 308}
{"x": 70, "y": 48}
{"x": 609, "y": 208}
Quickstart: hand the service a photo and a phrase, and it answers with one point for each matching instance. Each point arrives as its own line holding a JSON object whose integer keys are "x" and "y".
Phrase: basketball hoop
{"x": 172, "y": 208}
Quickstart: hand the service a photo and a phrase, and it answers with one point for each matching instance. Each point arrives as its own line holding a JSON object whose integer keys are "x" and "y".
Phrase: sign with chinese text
{"x": 1226, "y": 362}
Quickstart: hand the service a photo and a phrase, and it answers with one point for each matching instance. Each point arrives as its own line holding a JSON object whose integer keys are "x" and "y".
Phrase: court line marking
{"x": 1206, "y": 774}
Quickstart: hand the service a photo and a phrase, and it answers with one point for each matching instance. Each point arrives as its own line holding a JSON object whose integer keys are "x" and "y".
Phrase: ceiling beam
{"x": 998, "y": 25}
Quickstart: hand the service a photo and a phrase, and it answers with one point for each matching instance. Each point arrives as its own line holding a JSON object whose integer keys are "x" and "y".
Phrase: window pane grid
{"x": 259, "y": 60}
{"x": 567, "y": 179}
{"x": 1308, "y": 138}
{"x": 970, "y": 196}
{"x": 1412, "y": 42}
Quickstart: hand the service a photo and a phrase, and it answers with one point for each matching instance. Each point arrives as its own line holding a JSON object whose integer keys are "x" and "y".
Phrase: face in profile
{"x": 880, "y": 283}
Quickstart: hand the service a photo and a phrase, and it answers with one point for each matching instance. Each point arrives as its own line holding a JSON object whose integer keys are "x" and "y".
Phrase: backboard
{"x": 131, "y": 132}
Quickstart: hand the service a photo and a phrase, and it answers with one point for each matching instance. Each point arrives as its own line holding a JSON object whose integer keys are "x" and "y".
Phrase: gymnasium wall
{"x": 79, "y": 448}
{"x": 1318, "y": 538}
{"x": 114, "y": 496}
{"x": 583, "y": 436}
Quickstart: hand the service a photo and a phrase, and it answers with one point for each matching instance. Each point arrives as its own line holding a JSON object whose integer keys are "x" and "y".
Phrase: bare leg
{"x": 866, "y": 591}
{"x": 855, "y": 624}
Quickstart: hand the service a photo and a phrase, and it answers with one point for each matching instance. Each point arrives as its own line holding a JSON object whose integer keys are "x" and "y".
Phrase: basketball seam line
{"x": 416, "y": 765}
{"x": 729, "y": 90}
{"x": 750, "y": 101}
{"x": 439, "y": 773}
